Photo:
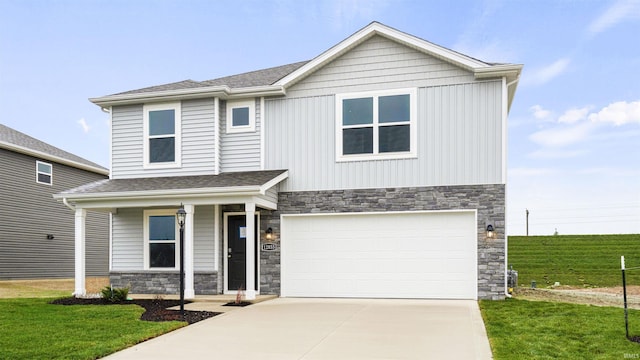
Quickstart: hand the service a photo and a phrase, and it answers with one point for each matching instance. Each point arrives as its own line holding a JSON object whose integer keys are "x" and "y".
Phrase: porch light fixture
{"x": 180, "y": 216}
{"x": 269, "y": 234}
{"x": 490, "y": 231}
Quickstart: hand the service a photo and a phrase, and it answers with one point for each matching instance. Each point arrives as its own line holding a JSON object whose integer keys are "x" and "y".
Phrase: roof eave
{"x": 153, "y": 194}
{"x": 185, "y": 94}
{"x": 52, "y": 158}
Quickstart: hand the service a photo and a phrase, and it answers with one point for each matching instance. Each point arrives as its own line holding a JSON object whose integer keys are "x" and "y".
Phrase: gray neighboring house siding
{"x": 28, "y": 213}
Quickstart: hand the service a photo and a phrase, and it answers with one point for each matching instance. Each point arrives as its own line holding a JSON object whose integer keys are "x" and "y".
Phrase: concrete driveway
{"x": 291, "y": 328}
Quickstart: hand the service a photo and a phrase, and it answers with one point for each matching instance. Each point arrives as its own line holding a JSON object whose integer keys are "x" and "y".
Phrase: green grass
{"x": 578, "y": 260}
{"x": 520, "y": 329}
{"x": 35, "y": 329}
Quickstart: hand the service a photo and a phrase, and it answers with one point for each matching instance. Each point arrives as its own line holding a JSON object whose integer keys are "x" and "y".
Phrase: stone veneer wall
{"x": 163, "y": 282}
{"x": 488, "y": 200}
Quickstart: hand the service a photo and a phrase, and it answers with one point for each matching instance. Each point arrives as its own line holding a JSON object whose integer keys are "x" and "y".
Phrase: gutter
{"x": 66, "y": 203}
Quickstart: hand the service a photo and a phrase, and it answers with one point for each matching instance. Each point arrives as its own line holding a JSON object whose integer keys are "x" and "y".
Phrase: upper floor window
{"x": 162, "y": 135}
{"x": 241, "y": 116}
{"x": 44, "y": 173}
{"x": 376, "y": 125}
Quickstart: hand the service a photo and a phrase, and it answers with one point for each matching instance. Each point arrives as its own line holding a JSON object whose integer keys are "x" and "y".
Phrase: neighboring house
{"x": 373, "y": 170}
{"x": 36, "y": 231}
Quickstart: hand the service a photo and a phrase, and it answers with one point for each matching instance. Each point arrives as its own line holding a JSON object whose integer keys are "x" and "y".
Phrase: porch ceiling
{"x": 225, "y": 188}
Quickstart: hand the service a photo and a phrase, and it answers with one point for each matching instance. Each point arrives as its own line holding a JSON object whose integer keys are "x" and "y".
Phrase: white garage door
{"x": 382, "y": 255}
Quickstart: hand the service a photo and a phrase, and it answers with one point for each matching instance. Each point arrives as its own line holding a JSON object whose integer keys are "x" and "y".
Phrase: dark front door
{"x": 237, "y": 253}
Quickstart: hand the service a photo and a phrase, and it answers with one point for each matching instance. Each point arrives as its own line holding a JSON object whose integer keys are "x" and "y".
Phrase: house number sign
{"x": 269, "y": 247}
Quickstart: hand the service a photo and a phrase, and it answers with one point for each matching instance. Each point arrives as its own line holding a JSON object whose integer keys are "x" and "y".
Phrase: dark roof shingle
{"x": 15, "y": 137}
{"x": 232, "y": 179}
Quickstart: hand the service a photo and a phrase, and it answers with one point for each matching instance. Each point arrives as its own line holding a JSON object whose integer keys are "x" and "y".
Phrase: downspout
{"x": 506, "y": 285}
{"x": 66, "y": 203}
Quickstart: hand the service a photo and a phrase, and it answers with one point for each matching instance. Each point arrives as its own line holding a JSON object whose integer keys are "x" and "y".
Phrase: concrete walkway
{"x": 290, "y": 328}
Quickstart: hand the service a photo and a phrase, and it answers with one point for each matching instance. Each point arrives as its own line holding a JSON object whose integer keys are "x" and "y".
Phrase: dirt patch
{"x": 48, "y": 287}
{"x": 591, "y": 296}
{"x": 155, "y": 309}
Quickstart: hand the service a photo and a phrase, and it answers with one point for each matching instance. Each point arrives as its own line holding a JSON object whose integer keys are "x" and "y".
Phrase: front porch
{"x": 144, "y": 243}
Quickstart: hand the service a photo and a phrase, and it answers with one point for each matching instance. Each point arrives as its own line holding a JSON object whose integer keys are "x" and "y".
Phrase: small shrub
{"x": 114, "y": 295}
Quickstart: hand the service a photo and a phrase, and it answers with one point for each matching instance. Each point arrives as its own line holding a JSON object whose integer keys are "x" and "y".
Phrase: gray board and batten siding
{"x": 28, "y": 213}
{"x": 458, "y": 125}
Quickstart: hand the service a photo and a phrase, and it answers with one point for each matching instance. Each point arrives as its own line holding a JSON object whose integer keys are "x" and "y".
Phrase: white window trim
{"x": 251, "y": 104}
{"x": 413, "y": 131}
{"x": 38, "y": 172}
{"x": 177, "y": 133}
{"x": 162, "y": 212}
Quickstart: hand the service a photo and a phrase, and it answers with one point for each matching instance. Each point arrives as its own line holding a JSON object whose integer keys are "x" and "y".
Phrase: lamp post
{"x": 181, "y": 215}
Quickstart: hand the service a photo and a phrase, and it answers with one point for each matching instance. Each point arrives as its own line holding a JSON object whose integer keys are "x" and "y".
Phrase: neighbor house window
{"x": 160, "y": 234}
{"x": 375, "y": 125}
{"x": 162, "y": 135}
{"x": 241, "y": 116}
{"x": 44, "y": 173}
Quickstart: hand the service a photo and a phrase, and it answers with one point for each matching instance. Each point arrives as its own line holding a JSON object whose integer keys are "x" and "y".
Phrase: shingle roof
{"x": 262, "y": 77}
{"x": 232, "y": 179}
{"x": 16, "y": 138}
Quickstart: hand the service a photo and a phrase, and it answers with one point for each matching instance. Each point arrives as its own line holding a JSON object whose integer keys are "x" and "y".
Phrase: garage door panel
{"x": 403, "y": 255}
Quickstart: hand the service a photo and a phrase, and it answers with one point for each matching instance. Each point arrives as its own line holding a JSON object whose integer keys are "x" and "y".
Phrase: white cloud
{"x": 618, "y": 113}
{"x": 84, "y": 125}
{"x": 547, "y": 73}
{"x": 528, "y": 172}
{"x": 574, "y": 115}
{"x": 556, "y": 154}
{"x": 540, "y": 113}
{"x": 564, "y": 135}
{"x": 618, "y": 12}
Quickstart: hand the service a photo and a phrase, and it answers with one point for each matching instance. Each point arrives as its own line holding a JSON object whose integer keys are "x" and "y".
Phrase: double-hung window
{"x": 160, "y": 244}
{"x": 241, "y": 116}
{"x": 376, "y": 125}
{"x": 44, "y": 173}
{"x": 162, "y": 135}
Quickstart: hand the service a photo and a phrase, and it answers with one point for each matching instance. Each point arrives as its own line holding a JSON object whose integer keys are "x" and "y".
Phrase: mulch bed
{"x": 241, "y": 303}
{"x": 155, "y": 309}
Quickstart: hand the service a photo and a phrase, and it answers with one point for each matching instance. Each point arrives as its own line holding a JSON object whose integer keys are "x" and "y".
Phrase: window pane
{"x": 162, "y": 122}
{"x": 44, "y": 178}
{"x": 162, "y": 255}
{"x": 162, "y": 150}
{"x": 162, "y": 227}
{"x": 240, "y": 116}
{"x": 357, "y": 111}
{"x": 357, "y": 141}
{"x": 44, "y": 168}
{"x": 394, "y": 138}
{"x": 393, "y": 108}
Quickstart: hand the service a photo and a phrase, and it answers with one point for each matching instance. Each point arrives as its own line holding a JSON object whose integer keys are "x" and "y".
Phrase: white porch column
{"x": 250, "y": 210}
{"x": 80, "y": 289}
{"x": 189, "y": 292}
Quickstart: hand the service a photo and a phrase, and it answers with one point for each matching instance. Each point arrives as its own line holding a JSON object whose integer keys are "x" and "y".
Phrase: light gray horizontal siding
{"x": 459, "y": 142}
{"x": 198, "y": 141}
{"x": 28, "y": 213}
{"x": 240, "y": 151}
{"x": 127, "y": 240}
{"x": 272, "y": 194}
{"x": 379, "y": 64}
{"x": 204, "y": 246}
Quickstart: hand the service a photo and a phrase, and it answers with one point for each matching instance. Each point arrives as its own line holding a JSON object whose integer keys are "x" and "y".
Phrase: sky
{"x": 573, "y": 129}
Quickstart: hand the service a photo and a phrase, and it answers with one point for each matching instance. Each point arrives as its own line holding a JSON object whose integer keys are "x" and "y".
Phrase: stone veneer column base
{"x": 162, "y": 282}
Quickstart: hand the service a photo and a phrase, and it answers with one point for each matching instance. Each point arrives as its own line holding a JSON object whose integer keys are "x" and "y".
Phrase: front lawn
{"x": 35, "y": 329}
{"x": 520, "y": 329}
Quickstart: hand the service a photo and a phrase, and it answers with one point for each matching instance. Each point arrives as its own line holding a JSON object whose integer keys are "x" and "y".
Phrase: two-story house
{"x": 36, "y": 231}
{"x": 376, "y": 169}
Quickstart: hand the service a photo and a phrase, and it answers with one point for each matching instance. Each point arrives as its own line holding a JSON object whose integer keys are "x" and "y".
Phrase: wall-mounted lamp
{"x": 490, "y": 231}
{"x": 269, "y": 234}
{"x": 50, "y": 237}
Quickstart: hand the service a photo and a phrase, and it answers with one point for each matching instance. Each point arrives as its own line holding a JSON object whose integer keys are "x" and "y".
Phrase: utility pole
{"x": 527, "y": 211}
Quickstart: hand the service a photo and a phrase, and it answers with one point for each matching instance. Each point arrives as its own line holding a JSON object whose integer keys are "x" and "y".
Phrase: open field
{"x": 47, "y": 287}
{"x": 574, "y": 260}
